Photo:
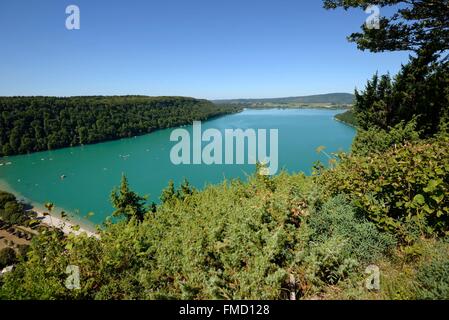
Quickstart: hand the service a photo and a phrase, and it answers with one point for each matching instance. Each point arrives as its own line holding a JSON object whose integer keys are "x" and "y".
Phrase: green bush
{"x": 433, "y": 279}
{"x": 23, "y": 249}
{"x": 13, "y": 213}
{"x": 340, "y": 243}
{"x": 377, "y": 140}
{"x": 363, "y": 241}
{"x": 6, "y": 197}
{"x": 408, "y": 183}
{"x": 328, "y": 261}
{"x": 7, "y": 257}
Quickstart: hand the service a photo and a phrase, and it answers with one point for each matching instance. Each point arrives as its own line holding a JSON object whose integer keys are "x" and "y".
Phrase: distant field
{"x": 318, "y": 101}
{"x": 294, "y": 105}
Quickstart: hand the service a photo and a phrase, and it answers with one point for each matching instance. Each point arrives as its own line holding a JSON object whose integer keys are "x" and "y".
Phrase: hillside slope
{"x": 30, "y": 124}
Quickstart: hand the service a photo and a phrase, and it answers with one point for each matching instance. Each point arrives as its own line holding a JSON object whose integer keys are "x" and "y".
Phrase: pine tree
{"x": 186, "y": 189}
{"x": 127, "y": 203}
{"x": 169, "y": 192}
{"x": 421, "y": 89}
{"x": 419, "y": 25}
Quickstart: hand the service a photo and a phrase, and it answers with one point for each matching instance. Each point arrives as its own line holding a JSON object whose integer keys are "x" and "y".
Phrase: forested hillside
{"x": 347, "y": 117}
{"x": 29, "y": 124}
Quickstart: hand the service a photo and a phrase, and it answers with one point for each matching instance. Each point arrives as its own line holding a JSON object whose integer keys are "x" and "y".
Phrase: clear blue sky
{"x": 201, "y": 48}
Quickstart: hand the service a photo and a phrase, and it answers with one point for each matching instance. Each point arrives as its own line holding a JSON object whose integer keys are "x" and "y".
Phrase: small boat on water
{"x": 63, "y": 177}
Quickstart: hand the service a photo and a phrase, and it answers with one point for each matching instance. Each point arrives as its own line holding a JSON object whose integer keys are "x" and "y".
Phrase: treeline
{"x": 30, "y": 124}
{"x": 418, "y": 93}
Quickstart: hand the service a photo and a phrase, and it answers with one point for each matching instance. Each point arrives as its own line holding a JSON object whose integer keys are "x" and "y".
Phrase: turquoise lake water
{"x": 92, "y": 171}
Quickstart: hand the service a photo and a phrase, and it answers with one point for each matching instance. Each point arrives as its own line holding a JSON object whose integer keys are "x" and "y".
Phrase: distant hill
{"x": 330, "y": 98}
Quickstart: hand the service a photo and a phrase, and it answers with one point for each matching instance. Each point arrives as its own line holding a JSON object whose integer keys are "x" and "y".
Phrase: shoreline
{"x": 67, "y": 226}
{"x": 51, "y": 219}
{"x": 345, "y": 123}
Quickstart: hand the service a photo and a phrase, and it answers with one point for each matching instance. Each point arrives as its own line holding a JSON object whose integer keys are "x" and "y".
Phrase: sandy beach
{"x": 66, "y": 226}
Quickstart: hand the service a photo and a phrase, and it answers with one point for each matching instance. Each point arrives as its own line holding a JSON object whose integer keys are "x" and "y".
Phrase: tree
{"x": 415, "y": 26}
{"x": 169, "y": 192}
{"x": 127, "y": 203}
{"x": 14, "y": 212}
{"x": 421, "y": 89}
{"x": 7, "y": 257}
{"x": 372, "y": 107}
{"x": 186, "y": 189}
{"x": 6, "y": 197}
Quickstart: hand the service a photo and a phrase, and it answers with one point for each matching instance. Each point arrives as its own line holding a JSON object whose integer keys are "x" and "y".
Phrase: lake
{"x": 92, "y": 171}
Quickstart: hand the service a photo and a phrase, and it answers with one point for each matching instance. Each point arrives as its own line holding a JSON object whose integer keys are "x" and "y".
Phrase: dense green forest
{"x": 385, "y": 205}
{"x": 29, "y": 124}
{"x": 347, "y": 117}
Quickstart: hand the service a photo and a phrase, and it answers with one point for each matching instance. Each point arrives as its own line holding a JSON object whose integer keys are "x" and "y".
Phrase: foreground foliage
{"x": 267, "y": 238}
{"x": 406, "y": 184}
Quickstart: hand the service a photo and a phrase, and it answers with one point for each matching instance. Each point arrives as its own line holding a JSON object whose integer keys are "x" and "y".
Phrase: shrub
{"x": 23, "y": 249}
{"x": 363, "y": 241}
{"x": 13, "y": 213}
{"x": 5, "y": 197}
{"x": 409, "y": 183}
{"x": 433, "y": 279}
{"x": 7, "y": 257}
{"x": 328, "y": 262}
{"x": 340, "y": 242}
{"x": 377, "y": 140}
